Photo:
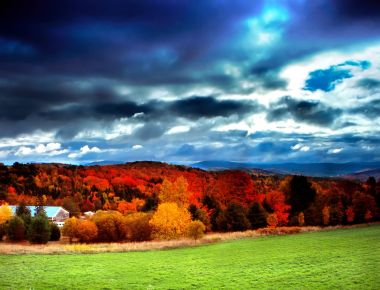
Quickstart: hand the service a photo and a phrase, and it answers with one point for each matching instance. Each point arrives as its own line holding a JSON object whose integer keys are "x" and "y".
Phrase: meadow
{"x": 339, "y": 259}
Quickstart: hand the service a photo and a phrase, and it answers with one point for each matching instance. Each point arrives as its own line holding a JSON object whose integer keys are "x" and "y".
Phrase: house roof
{"x": 51, "y": 211}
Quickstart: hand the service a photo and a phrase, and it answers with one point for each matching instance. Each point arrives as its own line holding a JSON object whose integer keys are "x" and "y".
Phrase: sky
{"x": 186, "y": 81}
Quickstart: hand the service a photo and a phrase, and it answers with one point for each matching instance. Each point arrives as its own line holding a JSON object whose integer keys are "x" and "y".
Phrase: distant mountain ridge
{"x": 363, "y": 175}
{"x": 350, "y": 170}
{"x": 103, "y": 162}
{"x": 309, "y": 169}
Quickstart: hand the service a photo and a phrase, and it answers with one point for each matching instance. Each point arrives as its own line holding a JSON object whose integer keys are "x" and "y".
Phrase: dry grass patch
{"x": 63, "y": 246}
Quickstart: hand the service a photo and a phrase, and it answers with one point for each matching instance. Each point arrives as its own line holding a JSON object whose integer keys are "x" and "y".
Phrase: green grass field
{"x": 340, "y": 259}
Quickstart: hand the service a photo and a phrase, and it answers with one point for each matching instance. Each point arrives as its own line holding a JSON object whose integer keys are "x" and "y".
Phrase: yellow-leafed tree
{"x": 5, "y": 213}
{"x": 170, "y": 221}
{"x": 175, "y": 192}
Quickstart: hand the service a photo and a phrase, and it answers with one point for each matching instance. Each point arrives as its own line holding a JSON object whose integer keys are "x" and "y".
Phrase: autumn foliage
{"x": 140, "y": 200}
{"x": 86, "y": 231}
{"x": 196, "y": 230}
{"x": 170, "y": 221}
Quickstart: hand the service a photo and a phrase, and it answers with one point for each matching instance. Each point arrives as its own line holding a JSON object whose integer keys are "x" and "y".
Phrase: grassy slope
{"x": 344, "y": 259}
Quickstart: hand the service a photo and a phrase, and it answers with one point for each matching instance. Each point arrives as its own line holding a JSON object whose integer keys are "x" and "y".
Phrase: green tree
{"x": 22, "y": 209}
{"x": 16, "y": 229}
{"x": 39, "y": 229}
{"x": 24, "y": 213}
{"x": 55, "y": 232}
{"x": 39, "y": 209}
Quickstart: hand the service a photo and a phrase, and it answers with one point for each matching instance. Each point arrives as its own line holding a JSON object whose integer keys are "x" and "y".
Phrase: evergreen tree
{"x": 55, "y": 232}
{"x": 16, "y": 229}
{"x": 39, "y": 229}
{"x": 22, "y": 209}
{"x": 257, "y": 216}
{"x": 233, "y": 219}
{"x": 24, "y": 213}
{"x": 39, "y": 210}
{"x": 300, "y": 194}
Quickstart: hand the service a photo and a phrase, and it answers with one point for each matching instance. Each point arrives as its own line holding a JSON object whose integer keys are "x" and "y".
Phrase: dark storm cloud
{"x": 368, "y": 83}
{"x": 208, "y": 107}
{"x": 23, "y": 98}
{"x": 357, "y": 10}
{"x": 150, "y": 131}
{"x": 82, "y": 66}
{"x": 370, "y": 110}
{"x": 69, "y": 109}
{"x": 119, "y": 39}
{"x": 312, "y": 112}
{"x": 267, "y": 74}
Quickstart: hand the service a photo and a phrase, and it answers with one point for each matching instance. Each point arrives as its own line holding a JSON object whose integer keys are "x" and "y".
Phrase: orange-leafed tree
{"x": 170, "y": 221}
{"x": 111, "y": 226}
{"x": 126, "y": 207}
{"x": 87, "y": 231}
{"x": 138, "y": 227}
{"x": 70, "y": 228}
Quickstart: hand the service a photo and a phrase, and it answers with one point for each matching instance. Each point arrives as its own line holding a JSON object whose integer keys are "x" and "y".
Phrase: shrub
{"x": 55, "y": 232}
{"x": 279, "y": 231}
{"x": 170, "y": 221}
{"x": 16, "y": 229}
{"x": 39, "y": 230}
{"x": 196, "y": 230}
{"x": 138, "y": 227}
{"x": 70, "y": 228}
{"x": 87, "y": 231}
{"x": 233, "y": 219}
{"x": 272, "y": 220}
{"x": 257, "y": 216}
{"x": 111, "y": 226}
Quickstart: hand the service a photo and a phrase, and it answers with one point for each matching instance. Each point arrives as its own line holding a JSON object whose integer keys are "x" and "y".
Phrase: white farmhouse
{"x": 56, "y": 214}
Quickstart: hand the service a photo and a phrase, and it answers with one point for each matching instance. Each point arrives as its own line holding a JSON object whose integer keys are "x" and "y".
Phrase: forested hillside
{"x": 223, "y": 200}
